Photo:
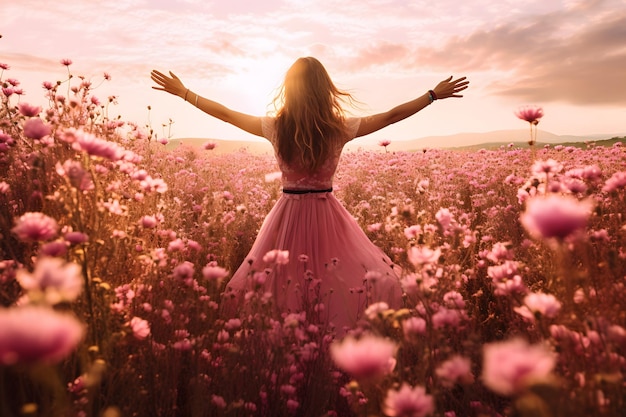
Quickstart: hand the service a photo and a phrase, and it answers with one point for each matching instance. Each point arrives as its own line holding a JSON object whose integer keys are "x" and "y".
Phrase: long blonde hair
{"x": 309, "y": 116}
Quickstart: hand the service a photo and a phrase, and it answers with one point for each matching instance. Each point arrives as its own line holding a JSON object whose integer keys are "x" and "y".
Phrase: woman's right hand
{"x": 171, "y": 84}
{"x": 450, "y": 88}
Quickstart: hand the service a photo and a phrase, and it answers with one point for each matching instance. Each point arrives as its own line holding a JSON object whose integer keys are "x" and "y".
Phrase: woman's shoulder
{"x": 268, "y": 127}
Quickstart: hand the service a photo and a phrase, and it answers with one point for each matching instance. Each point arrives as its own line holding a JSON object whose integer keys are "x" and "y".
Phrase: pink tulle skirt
{"x": 332, "y": 269}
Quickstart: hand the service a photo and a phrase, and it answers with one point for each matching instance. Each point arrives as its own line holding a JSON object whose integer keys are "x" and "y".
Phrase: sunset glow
{"x": 566, "y": 56}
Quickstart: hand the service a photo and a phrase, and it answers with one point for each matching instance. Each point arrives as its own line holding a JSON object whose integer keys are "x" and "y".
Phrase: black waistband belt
{"x": 287, "y": 191}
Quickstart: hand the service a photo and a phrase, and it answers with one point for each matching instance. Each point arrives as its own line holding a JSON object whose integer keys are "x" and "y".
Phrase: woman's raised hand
{"x": 172, "y": 84}
{"x": 450, "y": 88}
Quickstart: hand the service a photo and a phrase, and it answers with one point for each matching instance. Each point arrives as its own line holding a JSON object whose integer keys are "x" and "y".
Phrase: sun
{"x": 256, "y": 81}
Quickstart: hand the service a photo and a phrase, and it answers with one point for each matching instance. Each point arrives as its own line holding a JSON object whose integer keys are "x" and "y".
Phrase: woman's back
{"x": 298, "y": 177}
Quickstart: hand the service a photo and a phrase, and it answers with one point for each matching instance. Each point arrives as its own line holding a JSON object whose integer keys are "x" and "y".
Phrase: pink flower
{"x": 511, "y": 366}
{"x": 384, "y": 143}
{"x": 455, "y": 370}
{"x": 420, "y": 255}
{"x": 617, "y": 181}
{"x": 32, "y": 334}
{"x": 52, "y": 279}
{"x": 76, "y": 174}
{"x": 209, "y": 146}
{"x": 555, "y": 216}
{"x": 76, "y": 238}
{"x": 542, "y": 304}
{"x": 549, "y": 166}
{"x": 184, "y": 272}
{"x": 364, "y": 358}
{"x": 148, "y": 222}
{"x": 214, "y": 272}
{"x": 280, "y": 257}
{"x": 140, "y": 328}
{"x": 93, "y": 145}
{"x": 54, "y": 248}
{"x": 413, "y": 326}
{"x": 28, "y": 110}
{"x": 35, "y": 128}
{"x": 66, "y": 62}
{"x": 35, "y": 226}
{"x": 531, "y": 114}
{"x": 445, "y": 219}
{"x": 408, "y": 402}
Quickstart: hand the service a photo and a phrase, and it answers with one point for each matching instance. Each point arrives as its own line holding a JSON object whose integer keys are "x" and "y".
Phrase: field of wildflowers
{"x": 115, "y": 253}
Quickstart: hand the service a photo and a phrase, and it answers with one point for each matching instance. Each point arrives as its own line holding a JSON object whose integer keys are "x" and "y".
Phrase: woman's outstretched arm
{"x": 173, "y": 85}
{"x": 445, "y": 89}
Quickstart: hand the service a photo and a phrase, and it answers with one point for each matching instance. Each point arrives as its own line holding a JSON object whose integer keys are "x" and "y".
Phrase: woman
{"x": 310, "y": 253}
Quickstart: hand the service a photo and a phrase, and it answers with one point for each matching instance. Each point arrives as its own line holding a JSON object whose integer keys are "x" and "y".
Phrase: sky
{"x": 567, "y": 56}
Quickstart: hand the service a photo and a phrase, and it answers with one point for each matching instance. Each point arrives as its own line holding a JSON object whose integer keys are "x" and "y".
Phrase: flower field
{"x": 116, "y": 250}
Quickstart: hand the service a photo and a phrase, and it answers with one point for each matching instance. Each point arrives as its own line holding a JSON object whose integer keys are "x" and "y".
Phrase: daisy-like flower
{"x": 53, "y": 279}
{"x": 37, "y": 334}
{"x": 35, "y": 226}
{"x": 510, "y": 367}
{"x": 531, "y": 114}
{"x": 28, "y": 110}
{"x": 364, "y": 358}
{"x": 408, "y": 402}
{"x": 555, "y": 216}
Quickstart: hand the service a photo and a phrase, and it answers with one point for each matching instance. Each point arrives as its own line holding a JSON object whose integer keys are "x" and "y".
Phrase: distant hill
{"x": 494, "y": 139}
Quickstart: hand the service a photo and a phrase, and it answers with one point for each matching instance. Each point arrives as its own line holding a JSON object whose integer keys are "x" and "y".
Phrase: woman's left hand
{"x": 171, "y": 84}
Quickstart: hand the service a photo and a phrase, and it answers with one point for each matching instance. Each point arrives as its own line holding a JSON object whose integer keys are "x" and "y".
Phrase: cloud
{"x": 574, "y": 56}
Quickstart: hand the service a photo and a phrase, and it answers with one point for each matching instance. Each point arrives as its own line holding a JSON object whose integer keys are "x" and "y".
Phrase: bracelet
{"x": 432, "y": 96}
{"x": 186, "y": 92}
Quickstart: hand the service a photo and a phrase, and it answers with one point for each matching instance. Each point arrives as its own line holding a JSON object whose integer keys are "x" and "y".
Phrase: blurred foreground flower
{"x": 555, "y": 216}
{"x": 35, "y": 226}
{"x": 531, "y": 114}
{"x": 33, "y": 334}
{"x": 140, "y": 328}
{"x": 364, "y": 358}
{"x": 53, "y": 280}
{"x": 408, "y": 402}
{"x": 510, "y": 367}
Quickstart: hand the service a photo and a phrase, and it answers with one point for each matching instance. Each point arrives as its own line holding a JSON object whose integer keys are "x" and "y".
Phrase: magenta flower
{"x": 33, "y": 334}
{"x": 93, "y": 145}
{"x": 35, "y": 226}
{"x": 28, "y": 110}
{"x": 66, "y": 62}
{"x": 555, "y": 216}
{"x": 35, "y": 128}
{"x": 209, "y": 146}
{"x": 531, "y": 114}
{"x": 140, "y": 328}
{"x": 511, "y": 366}
{"x": 76, "y": 238}
{"x": 408, "y": 402}
{"x": 52, "y": 280}
{"x": 364, "y": 358}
